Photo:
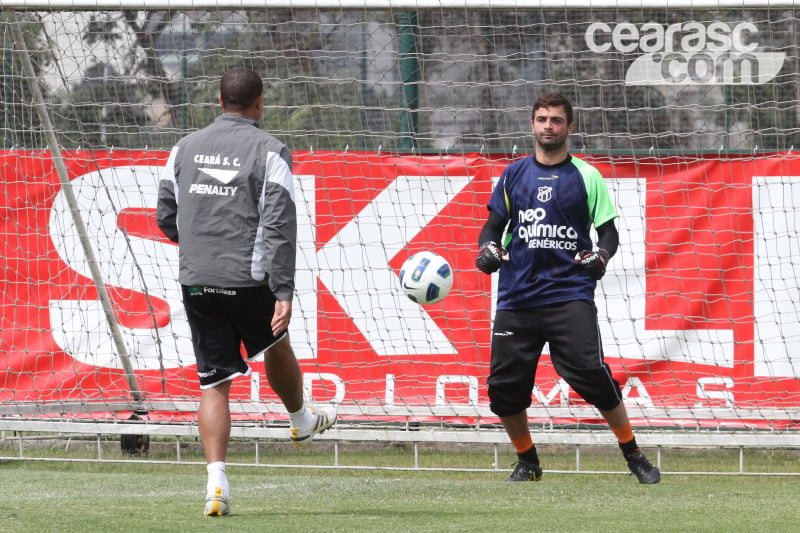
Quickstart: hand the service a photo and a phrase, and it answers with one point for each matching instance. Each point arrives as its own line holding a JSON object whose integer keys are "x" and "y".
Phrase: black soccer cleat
{"x": 645, "y": 472}
{"x": 526, "y": 471}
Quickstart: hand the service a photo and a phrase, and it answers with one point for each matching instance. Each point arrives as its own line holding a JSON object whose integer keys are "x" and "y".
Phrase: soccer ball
{"x": 426, "y": 278}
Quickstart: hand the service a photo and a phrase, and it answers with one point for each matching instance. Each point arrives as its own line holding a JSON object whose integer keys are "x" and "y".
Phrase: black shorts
{"x": 571, "y": 329}
{"x": 221, "y": 321}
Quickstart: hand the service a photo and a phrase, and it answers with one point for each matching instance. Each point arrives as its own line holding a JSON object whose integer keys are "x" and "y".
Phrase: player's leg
{"x": 577, "y": 355}
{"x": 214, "y": 421}
{"x": 528, "y": 467}
{"x": 286, "y": 379}
{"x": 515, "y": 354}
{"x": 214, "y": 425}
{"x": 216, "y": 346}
{"x": 284, "y": 374}
{"x": 638, "y": 464}
{"x": 255, "y": 309}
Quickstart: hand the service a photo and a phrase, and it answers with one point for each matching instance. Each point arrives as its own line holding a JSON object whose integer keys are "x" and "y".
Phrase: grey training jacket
{"x": 226, "y": 196}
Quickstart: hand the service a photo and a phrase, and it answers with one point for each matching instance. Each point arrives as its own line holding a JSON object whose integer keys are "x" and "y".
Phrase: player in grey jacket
{"x": 238, "y": 223}
{"x": 226, "y": 196}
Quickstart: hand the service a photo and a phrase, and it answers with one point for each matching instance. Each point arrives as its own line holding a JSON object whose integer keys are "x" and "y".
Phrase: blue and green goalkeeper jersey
{"x": 550, "y": 211}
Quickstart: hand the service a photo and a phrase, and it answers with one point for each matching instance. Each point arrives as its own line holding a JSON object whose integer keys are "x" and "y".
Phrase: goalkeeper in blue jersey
{"x": 549, "y": 267}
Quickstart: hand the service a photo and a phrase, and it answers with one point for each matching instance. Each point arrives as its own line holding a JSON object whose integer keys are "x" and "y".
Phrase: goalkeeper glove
{"x": 594, "y": 262}
{"x": 490, "y": 257}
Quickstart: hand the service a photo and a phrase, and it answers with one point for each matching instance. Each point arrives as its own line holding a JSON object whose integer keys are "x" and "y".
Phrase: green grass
{"x": 135, "y": 496}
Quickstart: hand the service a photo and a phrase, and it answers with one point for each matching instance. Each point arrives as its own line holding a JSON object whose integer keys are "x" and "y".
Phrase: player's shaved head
{"x": 239, "y": 89}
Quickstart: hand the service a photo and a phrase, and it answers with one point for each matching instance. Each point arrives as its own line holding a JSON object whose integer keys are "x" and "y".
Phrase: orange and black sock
{"x": 526, "y": 450}
{"x": 627, "y": 442}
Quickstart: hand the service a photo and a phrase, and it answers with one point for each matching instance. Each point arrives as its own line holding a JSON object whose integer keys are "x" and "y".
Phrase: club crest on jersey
{"x": 544, "y": 193}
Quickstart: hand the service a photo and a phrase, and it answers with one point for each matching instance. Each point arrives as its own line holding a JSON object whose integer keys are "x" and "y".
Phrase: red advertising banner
{"x": 699, "y": 307}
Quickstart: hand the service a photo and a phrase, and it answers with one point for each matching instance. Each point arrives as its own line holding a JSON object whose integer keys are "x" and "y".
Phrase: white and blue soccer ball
{"x": 426, "y": 278}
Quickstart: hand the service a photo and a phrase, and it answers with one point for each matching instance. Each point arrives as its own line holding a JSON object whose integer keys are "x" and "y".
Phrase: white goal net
{"x": 401, "y": 115}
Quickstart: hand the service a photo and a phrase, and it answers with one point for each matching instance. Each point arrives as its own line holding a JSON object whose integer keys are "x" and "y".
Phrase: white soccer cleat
{"x": 217, "y": 504}
{"x": 324, "y": 418}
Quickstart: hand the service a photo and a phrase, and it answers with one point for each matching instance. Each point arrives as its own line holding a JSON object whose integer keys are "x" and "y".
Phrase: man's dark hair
{"x": 553, "y": 100}
{"x": 239, "y": 88}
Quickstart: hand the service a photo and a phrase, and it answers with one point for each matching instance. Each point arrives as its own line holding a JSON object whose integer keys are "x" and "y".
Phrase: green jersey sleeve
{"x": 601, "y": 208}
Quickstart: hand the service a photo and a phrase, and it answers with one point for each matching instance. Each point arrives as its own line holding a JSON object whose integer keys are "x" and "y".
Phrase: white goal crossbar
{"x": 396, "y": 4}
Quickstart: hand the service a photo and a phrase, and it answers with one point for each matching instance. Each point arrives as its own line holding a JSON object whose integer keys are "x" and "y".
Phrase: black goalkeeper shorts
{"x": 221, "y": 321}
{"x": 571, "y": 330}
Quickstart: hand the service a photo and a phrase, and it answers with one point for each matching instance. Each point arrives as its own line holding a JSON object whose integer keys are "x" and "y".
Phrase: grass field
{"x": 128, "y": 495}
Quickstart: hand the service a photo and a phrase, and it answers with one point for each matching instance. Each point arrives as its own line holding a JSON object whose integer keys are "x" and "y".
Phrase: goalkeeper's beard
{"x": 553, "y": 145}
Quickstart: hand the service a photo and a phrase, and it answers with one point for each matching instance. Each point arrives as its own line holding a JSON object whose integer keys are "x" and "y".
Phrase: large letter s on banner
{"x": 143, "y": 265}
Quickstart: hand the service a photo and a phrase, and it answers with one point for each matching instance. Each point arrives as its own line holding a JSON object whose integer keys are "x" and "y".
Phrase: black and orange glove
{"x": 594, "y": 262}
{"x": 490, "y": 257}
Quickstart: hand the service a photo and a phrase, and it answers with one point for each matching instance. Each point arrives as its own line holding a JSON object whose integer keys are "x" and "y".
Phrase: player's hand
{"x": 594, "y": 262}
{"x": 281, "y": 318}
{"x": 490, "y": 257}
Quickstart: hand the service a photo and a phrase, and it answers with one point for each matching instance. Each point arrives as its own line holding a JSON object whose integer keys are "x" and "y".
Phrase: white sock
{"x": 303, "y": 418}
{"x": 217, "y": 478}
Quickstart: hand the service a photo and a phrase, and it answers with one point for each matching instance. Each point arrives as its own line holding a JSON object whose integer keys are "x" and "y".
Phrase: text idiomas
{"x": 689, "y": 53}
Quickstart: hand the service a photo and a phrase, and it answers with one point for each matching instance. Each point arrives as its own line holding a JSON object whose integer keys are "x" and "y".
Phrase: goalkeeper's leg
{"x": 577, "y": 355}
{"x": 527, "y": 467}
{"x": 638, "y": 464}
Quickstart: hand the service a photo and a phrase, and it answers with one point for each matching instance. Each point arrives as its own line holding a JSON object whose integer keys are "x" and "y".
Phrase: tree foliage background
{"x": 334, "y": 80}
{"x": 20, "y": 126}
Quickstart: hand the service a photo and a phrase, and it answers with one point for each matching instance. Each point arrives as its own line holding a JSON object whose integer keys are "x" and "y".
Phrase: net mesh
{"x": 400, "y": 122}
{"x": 658, "y": 79}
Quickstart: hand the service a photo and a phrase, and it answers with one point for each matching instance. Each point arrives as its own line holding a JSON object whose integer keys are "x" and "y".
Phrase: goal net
{"x": 401, "y": 116}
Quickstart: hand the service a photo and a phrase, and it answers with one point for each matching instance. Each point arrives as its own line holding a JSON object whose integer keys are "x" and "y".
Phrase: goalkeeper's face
{"x": 550, "y": 128}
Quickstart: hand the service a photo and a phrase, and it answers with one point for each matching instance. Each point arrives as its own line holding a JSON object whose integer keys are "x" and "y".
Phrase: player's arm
{"x": 491, "y": 255}
{"x": 167, "y": 206}
{"x": 602, "y": 212}
{"x": 608, "y": 238}
{"x": 279, "y": 226}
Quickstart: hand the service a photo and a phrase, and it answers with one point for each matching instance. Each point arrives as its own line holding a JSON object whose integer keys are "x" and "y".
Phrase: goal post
{"x": 399, "y": 126}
